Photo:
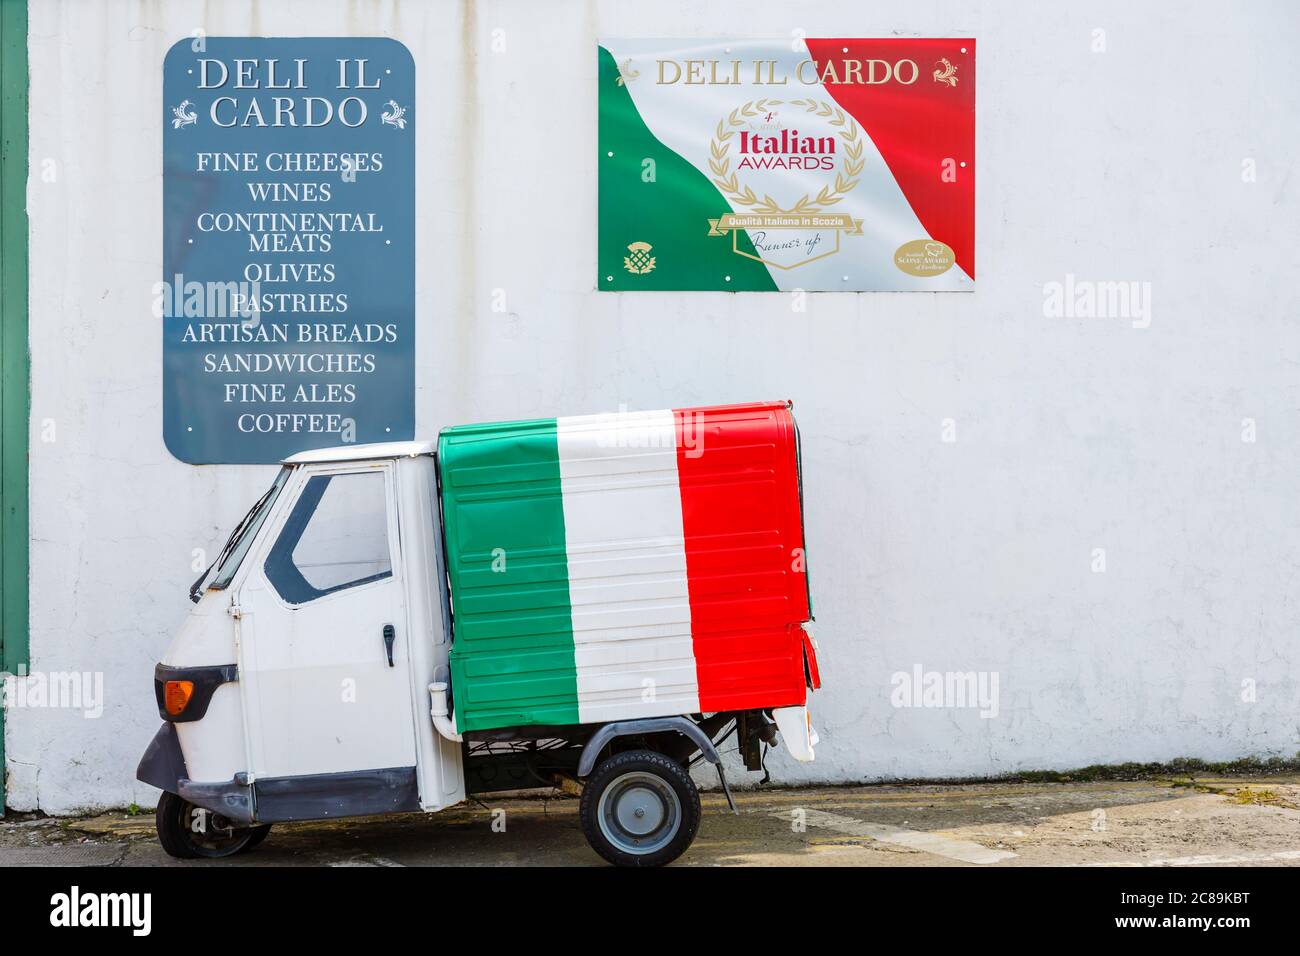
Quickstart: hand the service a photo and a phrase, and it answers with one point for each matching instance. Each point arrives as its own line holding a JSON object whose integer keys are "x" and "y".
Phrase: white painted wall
{"x": 1072, "y": 434}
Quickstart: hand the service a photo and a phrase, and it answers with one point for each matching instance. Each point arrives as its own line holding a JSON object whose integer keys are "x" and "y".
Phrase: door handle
{"x": 389, "y": 636}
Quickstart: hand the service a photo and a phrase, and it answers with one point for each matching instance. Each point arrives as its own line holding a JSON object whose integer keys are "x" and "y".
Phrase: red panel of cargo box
{"x": 738, "y": 468}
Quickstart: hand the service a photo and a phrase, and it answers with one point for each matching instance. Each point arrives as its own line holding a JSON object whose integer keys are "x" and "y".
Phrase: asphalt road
{"x": 1230, "y": 822}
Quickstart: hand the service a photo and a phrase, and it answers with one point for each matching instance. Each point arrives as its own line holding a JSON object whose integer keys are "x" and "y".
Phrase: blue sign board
{"x": 288, "y": 290}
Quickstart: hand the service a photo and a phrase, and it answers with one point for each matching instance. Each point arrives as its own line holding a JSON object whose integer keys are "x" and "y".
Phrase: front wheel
{"x": 188, "y": 832}
{"x": 640, "y": 808}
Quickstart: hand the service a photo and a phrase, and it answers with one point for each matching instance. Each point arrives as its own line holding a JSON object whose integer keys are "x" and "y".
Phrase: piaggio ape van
{"x": 601, "y": 599}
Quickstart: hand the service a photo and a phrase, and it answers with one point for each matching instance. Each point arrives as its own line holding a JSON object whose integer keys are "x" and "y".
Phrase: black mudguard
{"x": 163, "y": 764}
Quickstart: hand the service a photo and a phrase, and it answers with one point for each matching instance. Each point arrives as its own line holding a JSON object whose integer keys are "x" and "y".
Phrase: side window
{"x": 335, "y": 538}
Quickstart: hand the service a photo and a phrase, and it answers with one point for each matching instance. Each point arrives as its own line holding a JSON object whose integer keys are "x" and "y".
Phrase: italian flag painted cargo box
{"x": 643, "y": 564}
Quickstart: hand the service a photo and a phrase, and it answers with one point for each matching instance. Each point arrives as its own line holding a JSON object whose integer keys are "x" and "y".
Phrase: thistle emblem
{"x": 625, "y": 73}
{"x": 395, "y": 115}
{"x": 948, "y": 73}
{"x": 184, "y": 115}
{"x": 638, "y": 261}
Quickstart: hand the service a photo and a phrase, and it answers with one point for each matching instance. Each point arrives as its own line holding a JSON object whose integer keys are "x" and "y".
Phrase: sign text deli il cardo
{"x": 826, "y": 162}
{"x": 288, "y": 292}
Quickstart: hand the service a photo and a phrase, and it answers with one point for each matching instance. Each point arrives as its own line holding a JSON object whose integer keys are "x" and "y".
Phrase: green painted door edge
{"x": 15, "y": 364}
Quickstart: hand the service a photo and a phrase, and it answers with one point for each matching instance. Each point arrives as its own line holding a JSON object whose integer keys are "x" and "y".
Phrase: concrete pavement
{"x": 1227, "y": 822}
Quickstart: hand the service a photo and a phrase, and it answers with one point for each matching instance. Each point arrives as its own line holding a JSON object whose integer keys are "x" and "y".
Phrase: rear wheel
{"x": 188, "y": 832}
{"x": 640, "y": 808}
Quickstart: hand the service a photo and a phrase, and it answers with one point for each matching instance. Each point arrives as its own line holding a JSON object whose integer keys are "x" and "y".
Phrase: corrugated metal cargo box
{"x": 606, "y": 567}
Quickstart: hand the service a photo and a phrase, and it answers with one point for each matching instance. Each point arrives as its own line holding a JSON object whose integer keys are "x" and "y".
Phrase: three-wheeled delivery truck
{"x": 600, "y": 599}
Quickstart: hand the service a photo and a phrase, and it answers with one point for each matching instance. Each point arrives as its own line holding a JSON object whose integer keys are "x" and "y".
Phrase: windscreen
{"x": 241, "y": 539}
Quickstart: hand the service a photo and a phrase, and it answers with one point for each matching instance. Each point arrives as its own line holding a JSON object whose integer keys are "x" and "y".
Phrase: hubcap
{"x": 639, "y": 813}
{"x": 210, "y": 833}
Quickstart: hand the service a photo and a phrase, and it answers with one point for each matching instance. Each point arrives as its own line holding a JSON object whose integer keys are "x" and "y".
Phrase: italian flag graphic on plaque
{"x": 774, "y": 165}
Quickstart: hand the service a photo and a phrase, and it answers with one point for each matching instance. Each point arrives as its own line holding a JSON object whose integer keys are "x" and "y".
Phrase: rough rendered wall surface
{"x": 973, "y": 554}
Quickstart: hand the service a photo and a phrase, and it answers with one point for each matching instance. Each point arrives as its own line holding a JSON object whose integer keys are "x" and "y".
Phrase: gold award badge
{"x": 765, "y": 144}
{"x": 924, "y": 257}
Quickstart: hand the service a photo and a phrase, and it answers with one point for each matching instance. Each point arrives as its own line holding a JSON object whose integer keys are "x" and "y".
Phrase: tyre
{"x": 259, "y": 834}
{"x": 188, "y": 832}
{"x": 640, "y": 808}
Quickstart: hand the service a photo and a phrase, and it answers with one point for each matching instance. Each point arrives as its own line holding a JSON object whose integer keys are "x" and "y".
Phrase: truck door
{"x": 324, "y": 652}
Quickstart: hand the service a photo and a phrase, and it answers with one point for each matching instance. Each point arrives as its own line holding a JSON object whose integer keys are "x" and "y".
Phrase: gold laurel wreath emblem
{"x": 727, "y": 180}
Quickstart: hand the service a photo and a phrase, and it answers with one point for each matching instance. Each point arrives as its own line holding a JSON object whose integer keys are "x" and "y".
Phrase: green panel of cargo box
{"x": 512, "y": 637}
